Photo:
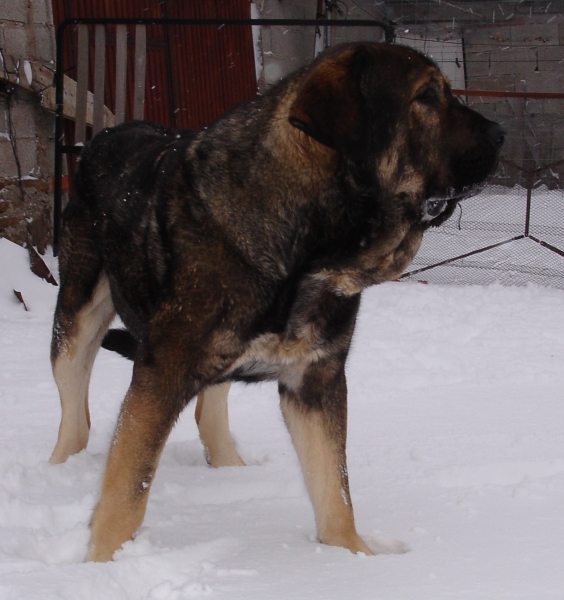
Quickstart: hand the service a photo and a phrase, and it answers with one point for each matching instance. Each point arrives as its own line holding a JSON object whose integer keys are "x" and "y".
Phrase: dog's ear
{"x": 329, "y": 106}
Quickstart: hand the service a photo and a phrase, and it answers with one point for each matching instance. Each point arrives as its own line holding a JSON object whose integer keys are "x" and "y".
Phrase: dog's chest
{"x": 270, "y": 354}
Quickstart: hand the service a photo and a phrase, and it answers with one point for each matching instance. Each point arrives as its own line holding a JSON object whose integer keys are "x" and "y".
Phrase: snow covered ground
{"x": 497, "y": 219}
{"x": 456, "y": 447}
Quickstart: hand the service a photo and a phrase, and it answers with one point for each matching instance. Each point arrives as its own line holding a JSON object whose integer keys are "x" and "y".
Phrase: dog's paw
{"x": 382, "y": 546}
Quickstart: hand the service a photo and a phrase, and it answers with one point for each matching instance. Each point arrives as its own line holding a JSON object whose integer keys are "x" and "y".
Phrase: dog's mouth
{"x": 433, "y": 208}
{"x": 439, "y": 206}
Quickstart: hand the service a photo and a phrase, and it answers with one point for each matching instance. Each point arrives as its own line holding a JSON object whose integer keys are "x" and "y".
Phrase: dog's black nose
{"x": 496, "y": 134}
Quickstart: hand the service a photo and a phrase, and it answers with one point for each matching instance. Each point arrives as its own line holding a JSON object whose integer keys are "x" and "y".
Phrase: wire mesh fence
{"x": 509, "y": 235}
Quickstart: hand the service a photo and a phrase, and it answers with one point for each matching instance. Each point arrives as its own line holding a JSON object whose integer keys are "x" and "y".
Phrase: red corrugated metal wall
{"x": 194, "y": 73}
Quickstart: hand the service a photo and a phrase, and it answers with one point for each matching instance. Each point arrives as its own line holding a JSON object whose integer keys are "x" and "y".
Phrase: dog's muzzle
{"x": 432, "y": 208}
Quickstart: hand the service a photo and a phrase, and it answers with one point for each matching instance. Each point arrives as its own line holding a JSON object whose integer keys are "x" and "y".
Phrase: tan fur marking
{"x": 72, "y": 369}
{"x": 131, "y": 465}
{"x": 387, "y": 166}
{"x": 212, "y": 418}
{"x": 276, "y": 349}
{"x": 310, "y": 161}
{"x": 381, "y": 262}
{"x": 408, "y": 181}
{"x": 292, "y": 375}
{"x": 326, "y": 479}
{"x": 423, "y": 79}
{"x": 412, "y": 184}
{"x": 344, "y": 284}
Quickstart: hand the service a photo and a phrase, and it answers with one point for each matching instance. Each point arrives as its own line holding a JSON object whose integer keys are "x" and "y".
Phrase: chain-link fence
{"x": 511, "y": 235}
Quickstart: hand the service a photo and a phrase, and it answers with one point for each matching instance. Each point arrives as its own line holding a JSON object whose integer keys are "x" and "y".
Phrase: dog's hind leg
{"x": 83, "y": 314}
{"x": 212, "y": 418}
{"x": 315, "y": 413}
{"x": 76, "y": 342}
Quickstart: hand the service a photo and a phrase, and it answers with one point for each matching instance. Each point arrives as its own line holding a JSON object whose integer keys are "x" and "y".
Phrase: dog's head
{"x": 390, "y": 110}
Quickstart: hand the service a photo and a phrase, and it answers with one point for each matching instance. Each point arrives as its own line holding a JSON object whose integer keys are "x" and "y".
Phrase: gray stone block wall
{"x": 12, "y": 10}
{"x": 26, "y": 129}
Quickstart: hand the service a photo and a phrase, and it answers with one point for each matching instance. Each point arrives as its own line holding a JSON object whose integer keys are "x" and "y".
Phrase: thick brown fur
{"x": 241, "y": 254}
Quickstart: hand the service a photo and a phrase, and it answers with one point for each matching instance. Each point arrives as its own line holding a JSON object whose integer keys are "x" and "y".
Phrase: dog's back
{"x": 120, "y": 188}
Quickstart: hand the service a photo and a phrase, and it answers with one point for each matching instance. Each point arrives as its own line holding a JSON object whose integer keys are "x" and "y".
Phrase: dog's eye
{"x": 429, "y": 97}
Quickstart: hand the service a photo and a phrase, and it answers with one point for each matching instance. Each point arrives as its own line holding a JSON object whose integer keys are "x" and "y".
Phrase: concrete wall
{"x": 287, "y": 49}
{"x": 26, "y": 129}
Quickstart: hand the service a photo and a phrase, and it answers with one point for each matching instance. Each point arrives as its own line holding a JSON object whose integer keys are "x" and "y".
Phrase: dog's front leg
{"x": 148, "y": 413}
{"x": 315, "y": 411}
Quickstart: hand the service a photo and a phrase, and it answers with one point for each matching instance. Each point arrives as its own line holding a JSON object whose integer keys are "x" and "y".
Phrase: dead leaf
{"x": 19, "y": 296}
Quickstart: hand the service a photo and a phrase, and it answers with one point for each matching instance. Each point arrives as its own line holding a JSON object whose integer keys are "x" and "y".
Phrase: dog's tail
{"x": 120, "y": 341}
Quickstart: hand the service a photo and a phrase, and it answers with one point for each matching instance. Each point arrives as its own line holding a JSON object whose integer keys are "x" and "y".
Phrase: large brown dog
{"x": 241, "y": 254}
